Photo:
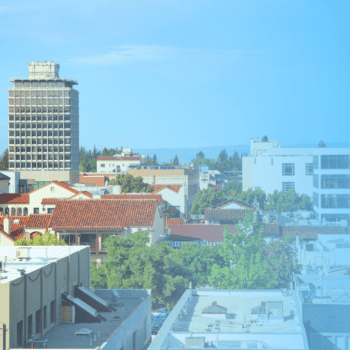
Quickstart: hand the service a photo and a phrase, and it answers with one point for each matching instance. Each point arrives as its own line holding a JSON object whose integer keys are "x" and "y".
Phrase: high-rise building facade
{"x": 44, "y": 125}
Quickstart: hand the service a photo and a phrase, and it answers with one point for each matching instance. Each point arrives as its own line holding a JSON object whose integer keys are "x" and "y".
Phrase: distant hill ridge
{"x": 185, "y": 155}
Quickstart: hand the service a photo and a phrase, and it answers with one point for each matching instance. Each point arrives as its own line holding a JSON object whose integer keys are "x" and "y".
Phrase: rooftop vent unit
{"x": 37, "y": 343}
{"x": 83, "y": 331}
{"x": 22, "y": 253}
{"x": 195, "y": 342}
{"x": 16, "y": 222}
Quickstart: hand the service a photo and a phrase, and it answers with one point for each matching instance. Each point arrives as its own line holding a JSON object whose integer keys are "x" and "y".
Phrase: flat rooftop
{"x": 124, "y": 301}
{"x": 249, "y": 319}
{"x": 38, "y": 256}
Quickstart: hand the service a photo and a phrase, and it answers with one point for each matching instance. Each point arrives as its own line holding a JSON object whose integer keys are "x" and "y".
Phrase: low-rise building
{"x": 234, "y": 319}
{"x": 46, "y": 302}
{"x": 4, "y": 183}
{"x": 325, "y": 310}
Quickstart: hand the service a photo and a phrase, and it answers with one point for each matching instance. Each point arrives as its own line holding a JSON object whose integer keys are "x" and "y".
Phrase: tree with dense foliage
{"x": 4, "y": 160}
{"x": 131, "y": 184}
{"x": 250, "y": 262}
{"x": 176, "y": 160}
{"x": 206, "y": 199}
{"x": 200, "y": 155}
{"x": 232, "y": 188}
{"x": 155, "y": 159}
{"x": 46, "y": 239}
{"x": 287, "y": 201}
{"x": 132, "y": 264}
{"x": 222, "y": 156}
{"x": 253, "y": 196}
{"x": 321, "y": 144}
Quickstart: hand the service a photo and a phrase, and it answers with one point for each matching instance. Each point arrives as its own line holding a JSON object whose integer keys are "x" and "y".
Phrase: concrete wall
{"x": 4, "y": 185}
{"x": 6, "y": 241}
{"x": 27, "y": 294}
{"x": 72, "y": 176}
{"x": 14, "y": 180}
{"x": 139, "y": 322}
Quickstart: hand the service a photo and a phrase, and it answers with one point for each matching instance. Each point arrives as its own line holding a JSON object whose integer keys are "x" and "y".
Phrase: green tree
{"x": 155, "y": 159}
{"x": 252, "y": 196}
{"x": 176, "y": 160}
{"x": 46, "y": 239}
{"x": 287, "y": 201}
{"x": 131, "y": 184}
{"x": 105, "y": 152}
{"x": 222, "y": 156}
{"x": 200, "y": 155}
{"x": 321, "y": 144}
{"x": 4, "y": 160}
{"x": 232, "y": 189}
{"x": 206, "y": 199}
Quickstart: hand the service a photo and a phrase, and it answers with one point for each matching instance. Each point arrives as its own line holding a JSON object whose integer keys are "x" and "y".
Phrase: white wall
{"x": 14, "y": 180}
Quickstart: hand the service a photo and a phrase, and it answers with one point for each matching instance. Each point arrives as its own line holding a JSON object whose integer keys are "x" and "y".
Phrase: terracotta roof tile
{"x": 103, "y": 214}
{"x": 106, "y": 158}
{"x": 50, "y": 200}
{"x": 174, "y": 188}
{"x": 39, "y": 220}
{"x": 211, "y": 233}
{"x": 14, "y": 198}
{"x": 174, "y": 221}
{"x": 16, "y": 230}
{"x": 157, "y": 197}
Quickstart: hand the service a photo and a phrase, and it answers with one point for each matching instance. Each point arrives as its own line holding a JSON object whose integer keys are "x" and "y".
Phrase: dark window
{"x": 335, "y": 162}
{"x": 335, "y": 181}
{"x": 50, "y": 210}
{"x": 38, "y": 321}
{"x": 330, "y": 201}
{"x": 286, "y": 186}
{"x": 30, "y": 326}
{"x": 36, "y": 210}
{"x": 52, "y": 311}
{"x": 316, "y": 199}
{"x": 309, "y": 169}
{"x": 19, "y": 334}
{"x": 134, "y": 341}
{"x": 45, "y": 316}
{"x": 288, "y": 169}
{"x": 315, "y": 180}
{"x": 315, "y": 162}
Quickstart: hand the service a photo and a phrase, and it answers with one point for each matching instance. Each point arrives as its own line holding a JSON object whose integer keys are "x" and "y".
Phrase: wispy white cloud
{"x": 153, "y": 53}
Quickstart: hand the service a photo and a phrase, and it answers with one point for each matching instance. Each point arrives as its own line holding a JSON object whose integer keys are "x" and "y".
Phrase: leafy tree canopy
{"x": 200, "y": 155}
{"x": 4, "y": 160}
{"x": 321, "y": 144}
{"x": 206, "y": 199}
{"x": 131, "y": 183}
{"x": 176, "y": 160}
{"x": 288, "y": 201}
{"x": 46, "y": 239}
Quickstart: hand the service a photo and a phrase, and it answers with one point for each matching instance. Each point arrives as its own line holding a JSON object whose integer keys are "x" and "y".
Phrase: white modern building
{"x": 321, "y": 173}
{"x": 234, "y": 319}
{"x": 44, "y": 125}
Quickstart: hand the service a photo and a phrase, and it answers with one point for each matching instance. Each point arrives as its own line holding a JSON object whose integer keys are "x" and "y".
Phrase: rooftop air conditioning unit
{"x": 16, "y": 222}
{"x": 37, "y": 343}
{"x": 195, "y": 342}
{"x": 22, "y": 253}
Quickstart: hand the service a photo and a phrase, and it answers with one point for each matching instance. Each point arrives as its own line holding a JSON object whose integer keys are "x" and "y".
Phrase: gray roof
{"x": 214, "y": 309}
{"x": 4, "y": 177}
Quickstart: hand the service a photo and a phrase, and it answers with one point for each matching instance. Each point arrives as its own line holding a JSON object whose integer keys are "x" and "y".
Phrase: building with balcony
{"x": 44, "y": 125}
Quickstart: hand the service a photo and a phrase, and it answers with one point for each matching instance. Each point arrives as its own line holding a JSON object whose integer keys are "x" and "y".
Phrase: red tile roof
{"x": 211, "y": 233}
{"x": 14, "y": 198}
{"x": 174, "y": 221}
{"x": 50, "y": 200}
{"x": 16, "y": 230}
{"x": 39, "y": 220}
{"x": 219, "y": 187}
{"x": 128, "y": 158}
{"x": 157, "y": 197}
{"x": 106, "y": 158}
{"x": 158, "y": 188}
{"x": 98, "y": 180}
{"x": 61, "y": 184}
{"x": 103, "y": 214}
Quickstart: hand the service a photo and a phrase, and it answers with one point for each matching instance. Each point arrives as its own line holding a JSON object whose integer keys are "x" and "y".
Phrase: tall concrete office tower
{"x": 44, "y": 125}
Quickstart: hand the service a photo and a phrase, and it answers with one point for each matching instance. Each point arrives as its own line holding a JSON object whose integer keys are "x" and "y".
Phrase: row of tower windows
{"x": 42, "y": 93}
{"x": 39, "y": 157}
{"x": 39, "y": 117}
{"x": 40, "y": 149}
{"x": 37, "y": 126}
{"x": 39, "y": 109}
{"x": 35, "y": 165}
{"x": 38, "y": 142}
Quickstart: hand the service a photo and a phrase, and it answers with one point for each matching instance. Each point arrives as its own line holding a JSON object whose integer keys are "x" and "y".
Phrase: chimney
{"x": 7, "y": 225}
{"x": 214, "y": 303}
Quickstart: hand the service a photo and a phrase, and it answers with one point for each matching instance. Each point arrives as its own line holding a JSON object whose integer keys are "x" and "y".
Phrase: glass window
{"x": 335, "y": 181}
{"x": 329, "y": 201}
{"x": 288, "y": 169}
{"x": 335, "y": 162}
{"x": 309, "y": 169}
{"x": 315, "y": 199}
{"x": 286, "y": 186}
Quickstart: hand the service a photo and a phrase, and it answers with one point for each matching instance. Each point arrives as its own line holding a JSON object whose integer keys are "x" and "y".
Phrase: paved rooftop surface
{"x": 63, "y": 336}
{"x": 239, "y": 308}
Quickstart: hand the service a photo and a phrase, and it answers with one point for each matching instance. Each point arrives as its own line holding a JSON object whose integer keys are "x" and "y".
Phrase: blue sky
{"x": 170, "y": 74}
